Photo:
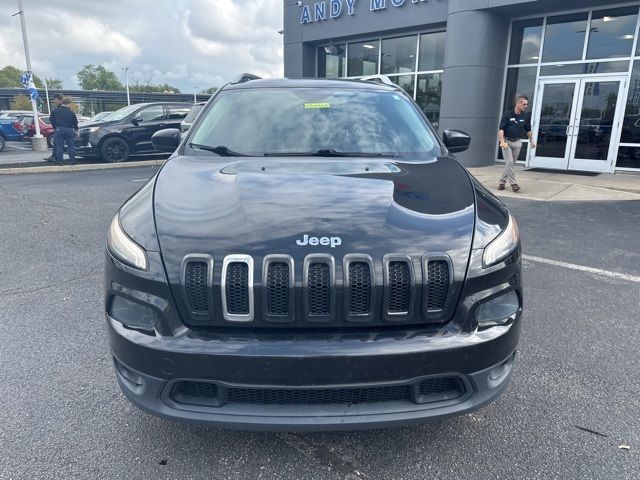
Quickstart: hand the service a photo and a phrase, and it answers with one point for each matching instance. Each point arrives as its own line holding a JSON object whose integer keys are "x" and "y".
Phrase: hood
{"x": 261, "y": 206}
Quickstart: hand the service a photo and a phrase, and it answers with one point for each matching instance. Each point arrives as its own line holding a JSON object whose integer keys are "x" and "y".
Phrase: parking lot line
{"x": 21, "y": 148}
{"x": 582, "y": 268}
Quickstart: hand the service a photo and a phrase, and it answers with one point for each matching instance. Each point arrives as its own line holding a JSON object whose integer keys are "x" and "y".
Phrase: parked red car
{"x": 29, "y": 128}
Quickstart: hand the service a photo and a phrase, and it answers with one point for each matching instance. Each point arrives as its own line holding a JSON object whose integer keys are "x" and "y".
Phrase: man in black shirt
{"x": 514, "y": 124}
{"x": 57, "y": 99}
{"x": 65, "y": 124}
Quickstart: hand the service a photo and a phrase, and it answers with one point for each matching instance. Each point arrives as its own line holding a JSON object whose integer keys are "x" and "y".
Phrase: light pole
{"x": 46, "y": 93}
{"x": 38, "y": 141}
{"x": 195, "y": 89}
{"x": 126, "y": 81}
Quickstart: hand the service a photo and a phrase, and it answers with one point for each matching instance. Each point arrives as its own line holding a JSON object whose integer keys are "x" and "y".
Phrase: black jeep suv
{"x": 128, "y": 131}
{"x": 312, "y": 257}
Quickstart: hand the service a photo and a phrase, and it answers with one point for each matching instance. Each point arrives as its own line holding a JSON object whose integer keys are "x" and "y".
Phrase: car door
{"x": 146, "y": 122}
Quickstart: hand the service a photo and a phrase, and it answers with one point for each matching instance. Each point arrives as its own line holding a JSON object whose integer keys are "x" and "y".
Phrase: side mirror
{"x": 166, "y": 140}
{"x": 136, "y": 120}
{"x": 456, "y": 140}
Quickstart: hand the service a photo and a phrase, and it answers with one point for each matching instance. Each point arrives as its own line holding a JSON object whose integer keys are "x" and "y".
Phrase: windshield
{"x": 122, "y": 113}
{"x": 314, "y": 121}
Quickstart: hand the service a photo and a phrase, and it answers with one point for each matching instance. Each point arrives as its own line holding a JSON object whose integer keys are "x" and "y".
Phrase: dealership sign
{"x": 334, "y": 9}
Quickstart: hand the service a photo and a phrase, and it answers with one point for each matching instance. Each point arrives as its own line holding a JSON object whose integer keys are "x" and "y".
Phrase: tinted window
{"x": 611, "y": 33}
{"x": 300, "y": 120}
{"x": 399, "y": 55}
{"x": 520, "y": 81}
{"x": 564, "y": 37}
{"x": 431, "y": 51}
{"x": 122, "y": 113}
{"x": 151, "y": 114}
{"x": 525, "y": 41}
{"x": 631, "y": 120}
{"x": 177, "y": 112}
{"x": 363, "y": 58}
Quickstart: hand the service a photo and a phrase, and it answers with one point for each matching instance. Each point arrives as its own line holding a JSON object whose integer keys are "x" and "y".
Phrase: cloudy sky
{"x": 180, "y": 42}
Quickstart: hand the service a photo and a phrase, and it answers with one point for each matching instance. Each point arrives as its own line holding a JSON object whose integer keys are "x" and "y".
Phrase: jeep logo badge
{"x": 313, "y": 241}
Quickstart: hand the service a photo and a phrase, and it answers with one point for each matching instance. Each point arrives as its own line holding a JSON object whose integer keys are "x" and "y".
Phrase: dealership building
{"x": 464, "y": 62}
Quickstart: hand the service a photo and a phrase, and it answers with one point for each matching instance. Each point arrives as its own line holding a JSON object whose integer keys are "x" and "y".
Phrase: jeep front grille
{"x": 437, "y": 286}
{"x": 319, "y": 289}
{"x": 399, "y": 289}
{"x": 277, "y": 289}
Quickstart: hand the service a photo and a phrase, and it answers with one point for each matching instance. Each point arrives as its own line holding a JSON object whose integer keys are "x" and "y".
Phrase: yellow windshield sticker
{"x": 317, "y": 105}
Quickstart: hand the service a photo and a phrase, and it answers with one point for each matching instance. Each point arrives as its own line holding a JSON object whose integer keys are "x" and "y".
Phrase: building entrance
{"x": 574, "y": 121}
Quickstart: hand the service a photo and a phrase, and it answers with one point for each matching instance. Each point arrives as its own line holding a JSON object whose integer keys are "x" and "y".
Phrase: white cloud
{"x": 180, "y": 42}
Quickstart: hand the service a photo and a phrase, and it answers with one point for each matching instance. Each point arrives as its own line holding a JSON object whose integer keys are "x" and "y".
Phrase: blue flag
{"x": 27, "y": 81}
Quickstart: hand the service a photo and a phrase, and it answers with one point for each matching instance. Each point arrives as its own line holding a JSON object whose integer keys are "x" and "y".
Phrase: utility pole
{"x": 126, "y": 81}
{"x": 195, "y": 89}
{"x": 46, "y": 92}
{"x": 38, "y": 138}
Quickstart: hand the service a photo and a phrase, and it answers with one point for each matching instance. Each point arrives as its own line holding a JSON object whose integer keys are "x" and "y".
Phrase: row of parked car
{"x": 111, "y": 136}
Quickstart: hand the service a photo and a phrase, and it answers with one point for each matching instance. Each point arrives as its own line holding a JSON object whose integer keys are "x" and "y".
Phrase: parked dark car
{"x": 11, "y": 130}
{"x": 312, "y": 257}
{"x": 191, "y": 116}
{"x": 128, "y": 131}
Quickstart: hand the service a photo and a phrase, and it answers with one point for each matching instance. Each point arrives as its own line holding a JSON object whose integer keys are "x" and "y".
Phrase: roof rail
{"x": 246, "y": 77}
{"x": 382, "y": 79}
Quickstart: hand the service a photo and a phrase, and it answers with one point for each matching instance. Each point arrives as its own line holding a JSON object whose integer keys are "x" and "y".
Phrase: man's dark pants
{"x": 64, "y": 135}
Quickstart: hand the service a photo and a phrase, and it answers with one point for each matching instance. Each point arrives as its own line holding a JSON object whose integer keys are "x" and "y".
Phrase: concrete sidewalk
{"x": 548, "y": 185}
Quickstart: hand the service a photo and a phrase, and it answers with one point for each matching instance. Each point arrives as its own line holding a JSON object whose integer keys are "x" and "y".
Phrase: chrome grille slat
{"x": 236, "y": 288}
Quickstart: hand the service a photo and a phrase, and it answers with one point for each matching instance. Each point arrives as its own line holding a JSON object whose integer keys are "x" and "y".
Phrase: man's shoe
{"x": 515, "y": 187}
{"x": 501, "y": 186}
{"x": 49, "y": 159}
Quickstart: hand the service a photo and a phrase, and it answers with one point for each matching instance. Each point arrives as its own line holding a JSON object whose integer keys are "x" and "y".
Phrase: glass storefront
{"x": 579, "y": 44}
{"x": 414, "y": 62}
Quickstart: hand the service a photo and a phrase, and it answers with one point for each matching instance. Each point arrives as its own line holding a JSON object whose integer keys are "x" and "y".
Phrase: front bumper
{"x": 151, "y": 369}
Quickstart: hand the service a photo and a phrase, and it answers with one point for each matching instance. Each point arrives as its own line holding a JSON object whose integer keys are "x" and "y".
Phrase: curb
{"x": 80, "y": 167}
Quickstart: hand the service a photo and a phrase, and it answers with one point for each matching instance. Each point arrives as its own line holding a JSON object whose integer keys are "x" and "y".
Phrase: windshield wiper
{"x": 327, "y": 152}
{"x": 219, "y": 150}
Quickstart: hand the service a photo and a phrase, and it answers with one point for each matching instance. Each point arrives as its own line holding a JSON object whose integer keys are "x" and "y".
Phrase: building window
{"x": 525, "y": 41}
{"x": 520, "y": 81}
{"x": 621, "y": 66}
{"x": 363, "y": 58}
{"x": 612, "y": 32}
{"x": 564, "y": 37}
{"x": 406, "y": 82}
{"x": 428, "y": 96}
{"x": 628, "y": 157}
{"x": 399, "y": 55}
{"x": 631, "y": 120}
{"x": 331, "y": 61}
{"x": 431, "y": 51}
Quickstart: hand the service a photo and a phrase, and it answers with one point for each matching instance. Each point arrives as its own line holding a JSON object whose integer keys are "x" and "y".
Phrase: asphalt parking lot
{"x": 573, "y": 402}
{"x": 20, "y": 154}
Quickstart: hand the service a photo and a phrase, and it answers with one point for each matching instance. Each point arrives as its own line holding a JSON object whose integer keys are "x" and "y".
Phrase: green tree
{"x": 209, "y": 91}
{"x": 96, "y": 77}
{"x": 20, "y": 102}
{"x": 10, "y": 78}
{"x": 54, "y": 83}
{"x": 138, "y": 87}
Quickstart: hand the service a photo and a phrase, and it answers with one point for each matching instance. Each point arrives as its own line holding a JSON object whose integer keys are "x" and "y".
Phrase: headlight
{"x": 502, "y": 245}
{"x": 125, "y": 249}
{"x": 93, "y": 129}
{"x": 499, "y": 310}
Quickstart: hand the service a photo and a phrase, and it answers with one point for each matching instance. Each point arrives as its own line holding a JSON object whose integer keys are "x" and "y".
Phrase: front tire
{"x": 2, "y": 143}
{"x": 114, "y": 150}
{"x": 50, "y": 141}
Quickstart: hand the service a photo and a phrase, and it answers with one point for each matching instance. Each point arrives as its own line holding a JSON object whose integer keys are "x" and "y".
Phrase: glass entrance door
{"x": 575, "y": 122}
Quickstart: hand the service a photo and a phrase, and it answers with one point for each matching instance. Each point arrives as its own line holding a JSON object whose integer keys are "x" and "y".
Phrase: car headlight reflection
{"x": 498, "y": 310}
{"x": 94, "y": 129}
{"x": 502, "y": 245}
{"x": 123, "y": 248}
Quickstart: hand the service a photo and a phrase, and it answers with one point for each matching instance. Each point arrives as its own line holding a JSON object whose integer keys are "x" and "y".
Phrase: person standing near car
{"x": 57, "y": 99}
{"x": 514, "y": 125}
{"x": 65, "y": 123}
